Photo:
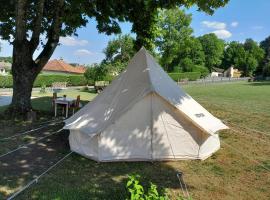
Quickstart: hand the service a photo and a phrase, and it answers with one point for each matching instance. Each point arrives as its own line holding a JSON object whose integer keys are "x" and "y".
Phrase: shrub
{"x": 97, "y": 73}
{"x": 48, "y": 79}
{"x": 6, "y": 81}
{"x": 187, "y": 64}
{"x": 137, "y": 191}
{"x": 203, "y": 70}
{"x": 266, "y": 69}
{"x": 43, "y": 89}
{"x": 192, "y": 76}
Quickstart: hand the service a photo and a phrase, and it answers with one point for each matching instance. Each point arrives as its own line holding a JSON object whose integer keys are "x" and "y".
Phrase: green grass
{"x": 43, "y": 101}
{"x": 226, "y": 175}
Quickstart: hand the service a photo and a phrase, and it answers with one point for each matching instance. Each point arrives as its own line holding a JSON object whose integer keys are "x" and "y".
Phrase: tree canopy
{"x": 265, "y": 65}
{"x": 120, "y": 48}
{"x": 213, "y": 48}
{"x": 173, "y": 29}
{"x": 25, "y": 22}
{"x": 234, "y": 55}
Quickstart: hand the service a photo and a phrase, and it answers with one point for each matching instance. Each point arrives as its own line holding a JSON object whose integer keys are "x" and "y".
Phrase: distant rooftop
{"x": 62, "y": 66}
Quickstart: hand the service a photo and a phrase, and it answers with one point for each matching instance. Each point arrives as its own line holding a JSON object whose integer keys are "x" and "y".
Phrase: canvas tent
{"x": 143, "y": 115}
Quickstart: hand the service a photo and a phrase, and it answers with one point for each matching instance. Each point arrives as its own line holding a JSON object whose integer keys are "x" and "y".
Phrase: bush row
{"x": 79, "y": 80}
{"x": 72, "y": 80}
{"x": 191, "y": 76}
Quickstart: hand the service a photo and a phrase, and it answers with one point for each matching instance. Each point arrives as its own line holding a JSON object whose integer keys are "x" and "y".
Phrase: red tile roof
{"x": 62, "y": 66}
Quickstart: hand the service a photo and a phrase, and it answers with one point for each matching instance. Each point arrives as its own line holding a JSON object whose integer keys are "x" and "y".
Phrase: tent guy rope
{"x": 249, "y": 129}
{"x": 243, "y": 154}
{"x": 26, "y": 145}
{"x": 35, "y": 180}
{"x": 32, "y": 130}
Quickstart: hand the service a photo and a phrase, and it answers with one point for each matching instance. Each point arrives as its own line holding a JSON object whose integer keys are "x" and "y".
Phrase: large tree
{"x": 172, "y": 30}
{"x": 118, "y": 52}
{"x": 246, "y": 56}
{"x": 213, "y": 49}
{"x": 24, "y": 22}
{"x": 265, "y": 64}
{"x": 235, "y": 55}
{"x": 254, "y": 55}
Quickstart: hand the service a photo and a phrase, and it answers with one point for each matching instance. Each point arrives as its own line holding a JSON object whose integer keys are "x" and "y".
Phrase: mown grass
{"x": 239, "y": 170}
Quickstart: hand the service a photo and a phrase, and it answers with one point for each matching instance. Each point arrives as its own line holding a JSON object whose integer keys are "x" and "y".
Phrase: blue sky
{"x": 238, "y": 20}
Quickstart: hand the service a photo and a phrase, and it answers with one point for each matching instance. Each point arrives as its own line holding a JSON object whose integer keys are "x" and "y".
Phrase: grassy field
{"x": 239, "y": 170}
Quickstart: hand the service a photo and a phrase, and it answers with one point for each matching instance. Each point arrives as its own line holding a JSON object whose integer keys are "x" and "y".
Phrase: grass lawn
{"x": 239, "y": 170}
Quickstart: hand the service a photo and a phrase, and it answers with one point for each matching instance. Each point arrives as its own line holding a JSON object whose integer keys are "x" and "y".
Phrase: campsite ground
{"x": 239, "y": 170}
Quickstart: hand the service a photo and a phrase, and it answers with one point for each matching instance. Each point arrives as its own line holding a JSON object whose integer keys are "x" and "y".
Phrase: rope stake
{"x": 183, "y": 185}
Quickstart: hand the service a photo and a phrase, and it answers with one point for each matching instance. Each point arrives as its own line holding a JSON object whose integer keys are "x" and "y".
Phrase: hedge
{"x": 72, "y": 80}
{"x": 79, "y": 80}
{"x": 191, "y": 76}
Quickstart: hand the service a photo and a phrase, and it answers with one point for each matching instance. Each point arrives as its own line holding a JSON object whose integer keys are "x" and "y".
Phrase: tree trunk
{"x": 24, "y": 73}
{"x": 22, "y": 88}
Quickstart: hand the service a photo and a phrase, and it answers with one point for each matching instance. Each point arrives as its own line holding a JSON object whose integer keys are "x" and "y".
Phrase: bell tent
{"x": 143, "y": 115}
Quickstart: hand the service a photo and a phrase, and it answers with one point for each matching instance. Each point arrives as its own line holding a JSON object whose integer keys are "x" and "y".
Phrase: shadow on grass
{"x": 20, "y": 167}
{"x": 77, "y": 177}
{"x": 261, "y": 83}
{"x": 81, "y": 178}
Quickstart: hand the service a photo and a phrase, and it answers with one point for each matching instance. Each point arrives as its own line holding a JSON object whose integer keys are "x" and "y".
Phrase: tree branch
{"x": 53, "y": 37}
{"x": 37, "y": 26}
{"x": 20, "y": 21}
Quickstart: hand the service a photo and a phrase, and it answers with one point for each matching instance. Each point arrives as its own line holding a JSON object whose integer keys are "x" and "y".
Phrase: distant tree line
{"x": 6, "y": 59}
{"x": 179, "y": 51}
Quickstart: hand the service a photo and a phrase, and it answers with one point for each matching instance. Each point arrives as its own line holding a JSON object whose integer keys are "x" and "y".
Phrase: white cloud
{"x": 234, "y": 24}
{"x": 83, "y": 52}
{"x": 71, "y": 41}
{"x": 222, "y": 34}
{"x": 214, "y": 25}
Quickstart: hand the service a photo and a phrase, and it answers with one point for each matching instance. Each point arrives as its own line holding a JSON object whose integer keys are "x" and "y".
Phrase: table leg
{"x": 66, "y": 110}
{"x": 55, "y": 109}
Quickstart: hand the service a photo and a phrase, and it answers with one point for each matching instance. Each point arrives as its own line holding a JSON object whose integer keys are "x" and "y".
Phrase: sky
{"x": 238, "y": 20}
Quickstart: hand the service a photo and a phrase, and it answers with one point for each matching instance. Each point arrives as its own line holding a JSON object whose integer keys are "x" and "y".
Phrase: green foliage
{"x": 96, "y": 73}
{"x": 6, "y": 59}
{"x": 245, "y": 57}
{"x": 265, "y": 64}
{"x": 120, "y": 49}
{"x": 173, "y": 29}
{"x": 203, "y": 70}
{"x": 192, "y": 76}
{"x": 118, "y": 52}
{"x": 235, "y": 55}
{"x": 192, "y": 49}
{"x": 6, "y": 81}
{"x": 266, "y": 69}
{"x": 213, "y": 49}
{"x": 47, "y": 80}
{"x": 137, "y": 192}
{"x": 186, "y": 64}
{"x": 107, "y": 15}
{"x": 179, "y": 50}
{"x": 43, "y": 89}
{"x": 254, "y": 56}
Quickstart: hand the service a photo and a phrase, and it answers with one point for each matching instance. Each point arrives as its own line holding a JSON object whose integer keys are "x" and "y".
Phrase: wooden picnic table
{"x": 63, "y": 101}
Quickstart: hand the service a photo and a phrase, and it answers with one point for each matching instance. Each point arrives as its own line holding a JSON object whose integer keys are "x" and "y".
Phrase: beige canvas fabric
{"x": 143, "y": 115}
